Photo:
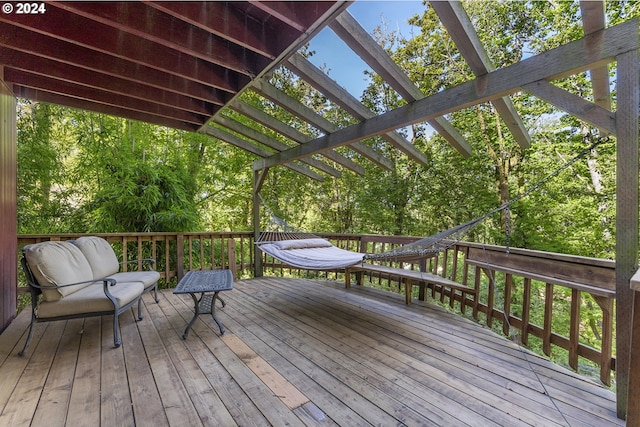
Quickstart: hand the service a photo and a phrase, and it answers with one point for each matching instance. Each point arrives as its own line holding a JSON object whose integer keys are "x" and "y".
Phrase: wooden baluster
{"x": 180, "y": 256}
{"x": 508, "y": 288}
{"x": 548, "y": 314}
{"x": 203, "y": 264}
{"x": 574, "y": 329}
{"x": 526, "y": 311}
{"x": 476, "y": 285}
{"x": 490, "y": 298}
{"x": 125, "y": 255}
{"x": 606, "y": 304}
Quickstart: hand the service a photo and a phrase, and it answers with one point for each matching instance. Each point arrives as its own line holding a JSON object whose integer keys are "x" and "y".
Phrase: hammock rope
{"x": 279, "y": 230}
{"x": 445, "y": 239}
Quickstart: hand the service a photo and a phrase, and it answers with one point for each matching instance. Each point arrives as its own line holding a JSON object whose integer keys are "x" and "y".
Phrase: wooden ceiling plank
{"x": 158, "y": 27}
{"x": 590, "y": 112}
{"x": 462, "y": 32}
{"x": 44, "y": 46}
{"x": 226, "y": 20}
{"x": 593, "y": 19}
{"x": 296, "y": 15}
{"x": 303, "y": 112}
{"x": 592, "y": 51}
{"x": 263, "y": 139}
{"x": 361, "y": 42}
{"x": 61, "y": 87}
{"x": 103, "y": 39}
{"x": 260, "y": 152}
{"x": 81, "y": 104}
{"x": 61, "y": 71}
{"x": 329, "y": 88}
{"x": 291, "y": 133}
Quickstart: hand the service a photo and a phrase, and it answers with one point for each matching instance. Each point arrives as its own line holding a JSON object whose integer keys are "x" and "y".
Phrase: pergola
{"x": 183, "y": 64}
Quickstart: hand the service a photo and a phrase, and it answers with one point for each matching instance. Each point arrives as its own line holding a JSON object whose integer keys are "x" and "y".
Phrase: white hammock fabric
{"x": 310, "y": 254}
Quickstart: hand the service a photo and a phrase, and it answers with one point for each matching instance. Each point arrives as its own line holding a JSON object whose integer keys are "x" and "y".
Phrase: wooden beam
{"x": 329, "y": 88}
{"x": 258, "y": 181}
{"x": 361, "y": 42}
{"x": 591, "y": 113}
{"x": 627, "y": 235}
{"x": 149, "y": 23}
{"x": 105, "y": 42}
{"x": 462, "y": 32}
{"x": 263, "y": 139}
{"x": 8, "y": 204}
{"x": 100, "y": 96}
{"x": 269, "y": 91}
{"x": 595, "y": 49}
{"x": 593, "y": 20}
{"x": 226, "y": 21}
{"x": 40, "y": 46}
{"x": 113, "y": 84}
{"x": 293, "y": 134}
{"x": 83, "y": 104}
{"x": 245, "y": 145}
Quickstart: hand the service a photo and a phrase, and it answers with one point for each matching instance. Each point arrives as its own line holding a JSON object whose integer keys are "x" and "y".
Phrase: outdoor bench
{"x": 81, "y": 278}
{"x": 409, "y": 277}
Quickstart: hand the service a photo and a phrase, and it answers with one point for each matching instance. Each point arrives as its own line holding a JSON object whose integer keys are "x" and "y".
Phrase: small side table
{"x": 203, "y": 282}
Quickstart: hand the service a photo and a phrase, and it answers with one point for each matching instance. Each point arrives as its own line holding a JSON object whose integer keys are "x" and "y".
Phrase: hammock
{"x": 308, "y": 251}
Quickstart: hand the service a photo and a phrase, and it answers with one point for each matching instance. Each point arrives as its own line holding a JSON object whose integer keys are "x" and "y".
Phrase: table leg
{"x": 196, "y": 301}
{"x": 213, "y": 312}
{"x": 203, "y": 305}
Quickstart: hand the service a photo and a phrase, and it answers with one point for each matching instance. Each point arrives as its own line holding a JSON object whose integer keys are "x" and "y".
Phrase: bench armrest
{"x": 107, "y": 281}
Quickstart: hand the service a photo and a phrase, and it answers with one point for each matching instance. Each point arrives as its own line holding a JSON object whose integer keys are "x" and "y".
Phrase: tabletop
{"x": 205, "y": 281}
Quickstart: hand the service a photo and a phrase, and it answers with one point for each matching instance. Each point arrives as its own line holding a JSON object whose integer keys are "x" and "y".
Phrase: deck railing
{"x": 525, "y": 294}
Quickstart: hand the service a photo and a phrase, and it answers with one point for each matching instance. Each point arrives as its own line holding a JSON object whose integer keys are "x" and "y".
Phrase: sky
{"x": 344, "y": 66}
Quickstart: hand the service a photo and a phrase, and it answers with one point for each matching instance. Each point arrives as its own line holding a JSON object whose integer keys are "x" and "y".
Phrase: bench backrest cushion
{"x": 55, "y": 264}
{"x": 100, "y": 255}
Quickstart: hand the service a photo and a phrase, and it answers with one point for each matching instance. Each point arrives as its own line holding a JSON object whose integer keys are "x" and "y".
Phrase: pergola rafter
{"x": 375, "y": 56}
{"x": 341, "y": 97}
{"x": 592, "y": 51}
{"x": 462, "y": 32}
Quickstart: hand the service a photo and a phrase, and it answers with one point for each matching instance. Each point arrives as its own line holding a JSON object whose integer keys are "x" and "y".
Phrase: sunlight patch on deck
{"x": 287, "y": 392}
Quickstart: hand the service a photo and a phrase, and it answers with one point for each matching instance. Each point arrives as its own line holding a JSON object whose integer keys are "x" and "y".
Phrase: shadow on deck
{"x": 296, "y": 352}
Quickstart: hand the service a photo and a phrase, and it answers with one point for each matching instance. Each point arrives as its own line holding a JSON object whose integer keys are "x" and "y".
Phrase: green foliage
{"x": 42, "y": 202}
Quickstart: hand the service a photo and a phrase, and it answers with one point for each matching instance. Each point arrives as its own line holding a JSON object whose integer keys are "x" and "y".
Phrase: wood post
{"x": 8, "y": 206}
{"x": 627, "y": 338}
{"x": 231, "y": 252}
{"x": 258, "y": 179}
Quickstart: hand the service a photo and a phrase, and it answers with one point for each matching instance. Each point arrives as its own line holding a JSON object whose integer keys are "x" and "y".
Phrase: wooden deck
{"x": 296, "y": 352}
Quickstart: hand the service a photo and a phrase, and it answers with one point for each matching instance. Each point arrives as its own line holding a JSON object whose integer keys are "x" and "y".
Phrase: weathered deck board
{"x": 296, "y": 352}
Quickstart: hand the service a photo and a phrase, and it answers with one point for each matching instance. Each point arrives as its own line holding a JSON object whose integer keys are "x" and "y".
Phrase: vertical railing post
{"x": 180, "y": 256}
{"x": 231, "y": 251}
{"x": 258, "y": 180}
{"x": 627, "y": 236}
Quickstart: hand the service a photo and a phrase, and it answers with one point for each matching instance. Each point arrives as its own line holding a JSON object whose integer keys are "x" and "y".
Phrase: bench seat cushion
{"x": 147, "y": 278}
{"x": 90, "y": 299}
{"x": 58, "y": 263}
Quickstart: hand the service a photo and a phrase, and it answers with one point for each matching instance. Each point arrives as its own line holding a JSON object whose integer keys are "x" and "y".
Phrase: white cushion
{"x": 100, "y": 255}
{"x": 302, "y": 244}
{"x": 91, "y": 299}
{"x": 55, "y": 264}
{"x": 147, "y": 278}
